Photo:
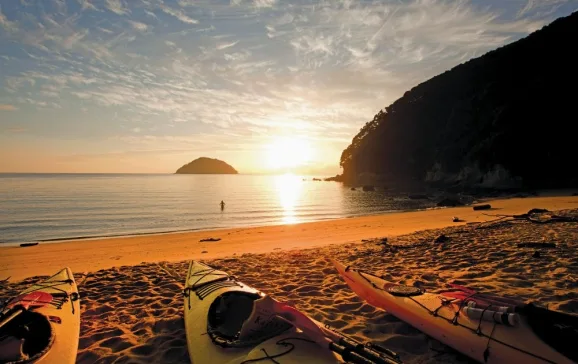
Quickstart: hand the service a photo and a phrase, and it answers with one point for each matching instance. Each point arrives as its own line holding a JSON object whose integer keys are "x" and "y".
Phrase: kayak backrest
{"x": 557, "y": 329}
{"x": 227, "y": 315}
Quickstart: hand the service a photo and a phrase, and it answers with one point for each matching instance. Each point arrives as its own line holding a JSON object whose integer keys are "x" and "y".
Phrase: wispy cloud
{"x": 179, "y": 14}
{"x": 116, "y": 6}
{"x": 5, "y": 23}
{"x": 7, "y": 107}
{"x": 200, "y": 73}
{"x": 138, "y": 25}
{"x": 226, "y": 45}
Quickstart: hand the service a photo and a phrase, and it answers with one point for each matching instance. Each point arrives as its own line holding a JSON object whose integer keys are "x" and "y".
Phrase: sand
{"x": 132, "y": 311}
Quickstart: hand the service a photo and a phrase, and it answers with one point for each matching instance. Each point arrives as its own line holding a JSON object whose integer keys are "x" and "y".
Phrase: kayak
{"x": 42, "y": 323}
{"x": 486, "y": 328}
{"x": 227, "y": 321}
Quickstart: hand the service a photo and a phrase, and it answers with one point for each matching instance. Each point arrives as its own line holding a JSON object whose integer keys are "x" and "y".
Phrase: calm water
{"x": 51, "y": 206}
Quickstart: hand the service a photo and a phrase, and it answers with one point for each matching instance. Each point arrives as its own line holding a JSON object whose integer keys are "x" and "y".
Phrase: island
{"x": 206, "y": 165}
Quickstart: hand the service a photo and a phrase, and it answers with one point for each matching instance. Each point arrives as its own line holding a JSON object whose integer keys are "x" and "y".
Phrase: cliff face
{"x": 499, "y": 120}
{"x": 205, "y": 165}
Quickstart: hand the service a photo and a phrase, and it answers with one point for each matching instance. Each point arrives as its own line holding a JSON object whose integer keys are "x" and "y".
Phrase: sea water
{"x": 39, "y": 207}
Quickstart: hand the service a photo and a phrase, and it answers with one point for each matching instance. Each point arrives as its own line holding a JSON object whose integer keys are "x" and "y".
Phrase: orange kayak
{"x": 488, "y": 333}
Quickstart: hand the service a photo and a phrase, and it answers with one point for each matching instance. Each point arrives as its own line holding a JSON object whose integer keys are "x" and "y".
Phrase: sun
{"x": 288, "y": 152}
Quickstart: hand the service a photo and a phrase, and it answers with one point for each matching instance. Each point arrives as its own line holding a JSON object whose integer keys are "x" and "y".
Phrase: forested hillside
{"x": 503, "y": 119}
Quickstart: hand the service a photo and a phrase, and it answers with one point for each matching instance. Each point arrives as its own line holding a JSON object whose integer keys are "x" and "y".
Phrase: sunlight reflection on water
{"x": 289, "y": 190}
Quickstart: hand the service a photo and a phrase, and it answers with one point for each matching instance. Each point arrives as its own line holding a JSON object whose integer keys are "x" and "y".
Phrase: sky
{"x": 130, "y": 86}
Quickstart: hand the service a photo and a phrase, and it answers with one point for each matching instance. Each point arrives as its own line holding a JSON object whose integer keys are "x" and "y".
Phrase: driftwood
{"x": 534, "y": 216}
{"x": 210, "y": 239}
{"x": 483, "y": 207}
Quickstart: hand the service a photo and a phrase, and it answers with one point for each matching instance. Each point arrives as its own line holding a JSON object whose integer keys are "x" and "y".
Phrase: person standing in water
{"x": 222, "y": 205}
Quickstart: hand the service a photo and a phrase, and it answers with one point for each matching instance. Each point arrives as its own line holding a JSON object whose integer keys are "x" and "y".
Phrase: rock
{"x": 337, "y": 178}
{"x": 536, "y": 254}
{"x": 449, "y": 202}
{"x": 441, "y": 239}
{"x": 353, "y": 188}
{"x": 483, "y": 207}
{"x": 456, "y": 219}
{"x": 204, "y": 251}
{"x": 537, "y": 211}
{"x": 368, "y": 188}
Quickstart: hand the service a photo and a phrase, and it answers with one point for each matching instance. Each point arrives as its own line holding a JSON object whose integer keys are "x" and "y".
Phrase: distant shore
{"x": 17, "y": 262}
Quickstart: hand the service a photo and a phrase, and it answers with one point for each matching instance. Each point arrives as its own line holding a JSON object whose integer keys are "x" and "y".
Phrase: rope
{"x": 282, "y": 342}
{"x": 457, "y": 323}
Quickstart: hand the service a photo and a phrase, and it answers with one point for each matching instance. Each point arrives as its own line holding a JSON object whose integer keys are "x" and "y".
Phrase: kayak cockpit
{"x": 240, "y": 319}
{"x": 25, "y": 338}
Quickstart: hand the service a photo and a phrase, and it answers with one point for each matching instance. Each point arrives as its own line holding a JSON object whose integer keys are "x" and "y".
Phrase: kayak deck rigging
{"x": 445, "y": 302}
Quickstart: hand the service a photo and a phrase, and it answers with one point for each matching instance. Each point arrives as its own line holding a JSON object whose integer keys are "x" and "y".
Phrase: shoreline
{"x": 183, "y": 231}
{"x": 42, "y": 259}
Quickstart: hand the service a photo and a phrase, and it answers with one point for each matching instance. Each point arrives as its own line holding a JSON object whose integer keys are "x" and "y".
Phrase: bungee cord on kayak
{"x": 499, "y": 313}
{"x": 224, "y": 313}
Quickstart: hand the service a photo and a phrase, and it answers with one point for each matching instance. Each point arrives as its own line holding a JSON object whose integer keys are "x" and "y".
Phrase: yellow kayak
{"x": 488, "y": 333}
{"x": 42, "y": 324}
{"x": 227, "y": 321}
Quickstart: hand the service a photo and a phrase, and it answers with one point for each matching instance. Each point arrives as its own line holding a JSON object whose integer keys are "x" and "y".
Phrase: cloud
{"x": 222, "y": 46}
{"x": 248, "y": 70}
{"x": 150, "y": 14}
{"x": 138, "y": 25}
{"x": 86, "y": 4}
{"x": 179, "y": 14}
{"x": 16, "y": 130}
{"x": 5, "y": 23}
{"x": 116, "y": 7}
{"x": 264, "y": 3}
{"x": 7, "y": 107}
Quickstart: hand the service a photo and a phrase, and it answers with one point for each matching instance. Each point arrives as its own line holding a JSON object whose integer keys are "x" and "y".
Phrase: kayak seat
{"x": 25, "y": 338}
{"x": 229, "y": 311}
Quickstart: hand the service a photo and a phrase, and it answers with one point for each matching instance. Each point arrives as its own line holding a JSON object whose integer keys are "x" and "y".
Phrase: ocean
{"x": 44, "y": 207}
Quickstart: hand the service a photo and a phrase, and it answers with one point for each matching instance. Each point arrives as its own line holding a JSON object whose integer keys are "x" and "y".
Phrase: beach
{"x": 131, "y": 286}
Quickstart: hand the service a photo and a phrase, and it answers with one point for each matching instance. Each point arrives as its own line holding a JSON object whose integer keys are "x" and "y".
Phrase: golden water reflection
{"x": 289, "y": 190}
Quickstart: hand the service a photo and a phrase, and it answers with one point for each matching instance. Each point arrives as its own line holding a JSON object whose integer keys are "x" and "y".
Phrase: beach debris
{"x": 210, "y": 239}
{"x": 28, "y": 244}
{"x": 204, "y": 251}
{"x": 418, "y": 197}
{"x": 536, "y": 254}
{"x": 449, "y": 202}
{"x": 441, "y": 239}
{"x": 368, "y": 188}
{"x": 537, "y": 245}
{"x": 482, "y": 207}
{"x": 537, "y": 211}
{"x": 382, "y": 241}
